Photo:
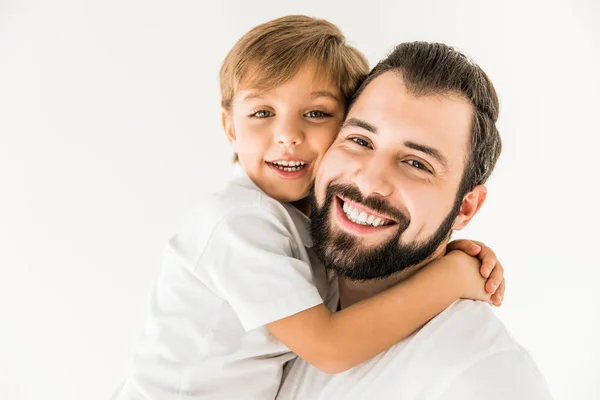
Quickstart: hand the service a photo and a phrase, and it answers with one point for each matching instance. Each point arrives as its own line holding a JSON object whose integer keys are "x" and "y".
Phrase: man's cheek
{"x": 320, "y": 197}
{"x": 321, "y": 184}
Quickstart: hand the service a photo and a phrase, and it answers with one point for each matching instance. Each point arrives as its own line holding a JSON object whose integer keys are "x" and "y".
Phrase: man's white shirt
{"x": 240, "y": 263}
{"x": 465, "y": 353}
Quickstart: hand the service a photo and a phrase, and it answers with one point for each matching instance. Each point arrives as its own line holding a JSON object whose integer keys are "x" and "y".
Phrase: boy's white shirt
{"x": 242, "y": 261}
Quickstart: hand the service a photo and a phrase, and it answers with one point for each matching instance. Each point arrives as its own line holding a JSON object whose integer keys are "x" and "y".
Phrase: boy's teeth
{"x": 289, "y": 163}
{"x": 362, "y": 217}
{"x": 289, "y": 166}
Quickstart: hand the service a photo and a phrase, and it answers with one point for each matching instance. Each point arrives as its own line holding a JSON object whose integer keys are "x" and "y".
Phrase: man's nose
{"x": 373, "y": 179}
{"x": 288, "y": 133}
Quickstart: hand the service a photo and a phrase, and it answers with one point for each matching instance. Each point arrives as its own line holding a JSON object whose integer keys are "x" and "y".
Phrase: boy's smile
{"x": 289, "y": 168}
{"x": 281, "y": 134}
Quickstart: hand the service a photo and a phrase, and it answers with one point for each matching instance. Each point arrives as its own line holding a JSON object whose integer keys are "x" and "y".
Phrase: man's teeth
{"x": 361, "y": 217}
{"x": 289, "y": 166}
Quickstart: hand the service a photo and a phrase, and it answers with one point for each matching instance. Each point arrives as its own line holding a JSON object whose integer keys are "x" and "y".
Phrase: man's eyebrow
{"x": 428, "y": 150}
{"x": 359, "y": 123}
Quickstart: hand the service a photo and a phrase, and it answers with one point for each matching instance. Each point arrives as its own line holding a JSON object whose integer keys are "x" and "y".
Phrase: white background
{"x": 110, "y": 131}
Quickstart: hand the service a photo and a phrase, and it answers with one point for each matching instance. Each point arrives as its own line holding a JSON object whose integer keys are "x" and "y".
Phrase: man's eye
{"x": 262, "y": 114}
{"x": 316, "y": 114}
{"x": 361, "y": 142}
{"x": 418, "y": 165}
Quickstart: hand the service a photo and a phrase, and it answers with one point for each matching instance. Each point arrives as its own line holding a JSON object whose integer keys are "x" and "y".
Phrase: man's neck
{"x": 352, "y": 291}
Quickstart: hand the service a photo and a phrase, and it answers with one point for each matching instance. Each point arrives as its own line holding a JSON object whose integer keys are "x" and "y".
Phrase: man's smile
{"x": 358, "y": 219}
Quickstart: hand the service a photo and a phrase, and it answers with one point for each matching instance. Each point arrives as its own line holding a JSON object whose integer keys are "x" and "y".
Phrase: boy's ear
{"x": 227, "y": 122}
{"x": 471, "y": 203}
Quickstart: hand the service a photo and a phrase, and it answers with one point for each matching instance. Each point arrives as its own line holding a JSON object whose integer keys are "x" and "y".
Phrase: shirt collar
{"x": 301, "y": 221}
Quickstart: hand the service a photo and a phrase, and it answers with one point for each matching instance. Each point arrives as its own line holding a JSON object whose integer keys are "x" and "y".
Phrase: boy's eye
{"x": 361, "y": 142}
{"x": 418, "y": 165}
{"x": 316, "y": 114}
{"x": 262, "y": 114}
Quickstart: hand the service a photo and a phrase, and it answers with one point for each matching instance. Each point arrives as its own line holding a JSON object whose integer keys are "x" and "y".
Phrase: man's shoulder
{"x": 466, "y": 348}
{"x": 457, "y": 353}
{"x": 467, "y": 328}
{"x": 487, "y": 360}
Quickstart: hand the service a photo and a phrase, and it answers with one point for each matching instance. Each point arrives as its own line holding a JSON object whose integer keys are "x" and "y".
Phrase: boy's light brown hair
{"x": 272, "y": 53}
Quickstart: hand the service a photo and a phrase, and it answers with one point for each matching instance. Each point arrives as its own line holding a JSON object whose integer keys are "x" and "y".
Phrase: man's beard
{"x": 343, "y": 253}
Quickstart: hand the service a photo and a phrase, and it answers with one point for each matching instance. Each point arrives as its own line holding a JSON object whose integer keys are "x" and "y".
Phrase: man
{"x": 417, "y": 146}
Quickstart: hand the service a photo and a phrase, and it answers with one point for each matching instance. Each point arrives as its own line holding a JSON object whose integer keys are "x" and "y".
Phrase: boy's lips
{"x": 288, "y": 162}
{"x": 289, "y": 168}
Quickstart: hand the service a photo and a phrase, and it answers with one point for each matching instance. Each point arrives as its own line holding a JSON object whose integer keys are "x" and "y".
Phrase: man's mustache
{"x": 378, "y": 204}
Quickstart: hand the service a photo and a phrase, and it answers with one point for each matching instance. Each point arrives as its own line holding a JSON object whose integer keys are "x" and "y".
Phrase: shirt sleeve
{"x": 251, "y": 260}
{"x": 506, "y": 375}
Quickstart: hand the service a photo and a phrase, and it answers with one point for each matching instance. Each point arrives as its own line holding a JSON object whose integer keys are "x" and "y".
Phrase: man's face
{"x": 385, "y": 195}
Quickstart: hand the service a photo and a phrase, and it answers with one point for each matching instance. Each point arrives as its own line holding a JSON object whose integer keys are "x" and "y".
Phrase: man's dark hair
{"x": 436, "y": 68}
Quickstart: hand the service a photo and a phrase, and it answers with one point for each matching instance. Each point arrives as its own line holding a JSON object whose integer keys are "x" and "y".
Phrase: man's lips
{"x": 360, "y": 209}
{"x": 358, "y": 227}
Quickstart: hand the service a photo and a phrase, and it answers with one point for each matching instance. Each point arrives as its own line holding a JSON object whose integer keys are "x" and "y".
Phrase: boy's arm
{"x": 336, "y": 342}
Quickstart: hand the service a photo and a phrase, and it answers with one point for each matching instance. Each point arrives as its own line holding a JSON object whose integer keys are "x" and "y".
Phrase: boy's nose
{"x": 289, "y": 141}
{"x": 288, "y": 135}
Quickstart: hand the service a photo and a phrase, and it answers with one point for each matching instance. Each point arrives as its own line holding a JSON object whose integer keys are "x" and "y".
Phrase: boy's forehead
{"x": 310, "y": 77}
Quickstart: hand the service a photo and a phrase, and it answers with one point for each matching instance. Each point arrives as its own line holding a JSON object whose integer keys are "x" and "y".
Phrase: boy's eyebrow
{"x": 254, "y": 95}
{"x": 324, "y": 93}
{"x": 435, "y": 153}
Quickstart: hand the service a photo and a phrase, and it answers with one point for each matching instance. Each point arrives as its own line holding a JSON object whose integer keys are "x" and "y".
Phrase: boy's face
{"x": 281, "y": 134}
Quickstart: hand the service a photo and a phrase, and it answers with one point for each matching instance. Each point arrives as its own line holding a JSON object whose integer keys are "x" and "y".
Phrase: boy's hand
{"x": 491, "y": 269}
{"x": 471, "y": 282}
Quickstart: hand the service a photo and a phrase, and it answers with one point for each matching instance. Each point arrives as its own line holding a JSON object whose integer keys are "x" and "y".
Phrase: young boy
{"x": 237, "y": 291}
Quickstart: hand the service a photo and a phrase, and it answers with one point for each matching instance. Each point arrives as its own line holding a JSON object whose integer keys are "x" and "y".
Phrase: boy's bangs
{"x": 264, "y": 74}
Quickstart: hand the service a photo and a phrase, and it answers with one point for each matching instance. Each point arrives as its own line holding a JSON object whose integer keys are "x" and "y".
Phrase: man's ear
{"x": 227, "y": 122}
{"x": 471, "y": 203}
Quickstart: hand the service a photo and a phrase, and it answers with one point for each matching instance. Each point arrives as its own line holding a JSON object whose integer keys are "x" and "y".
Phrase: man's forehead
{"x": 387, "y": 105}
{"x": 390, "y": 87}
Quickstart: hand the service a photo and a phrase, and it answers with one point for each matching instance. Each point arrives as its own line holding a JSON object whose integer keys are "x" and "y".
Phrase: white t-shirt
{"x": 240, "y": 263}
{"x": 465, "y": 353}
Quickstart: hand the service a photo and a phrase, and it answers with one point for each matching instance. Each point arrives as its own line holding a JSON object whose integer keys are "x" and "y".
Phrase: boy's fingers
{"x": 501, "y": 289}
{"x": 485, "y": 270}
{"x": 467, "y": 246}
{"x": 495, "y": 279}
{"x": 499, "y": 295}
{"x": 489, "y": 262}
